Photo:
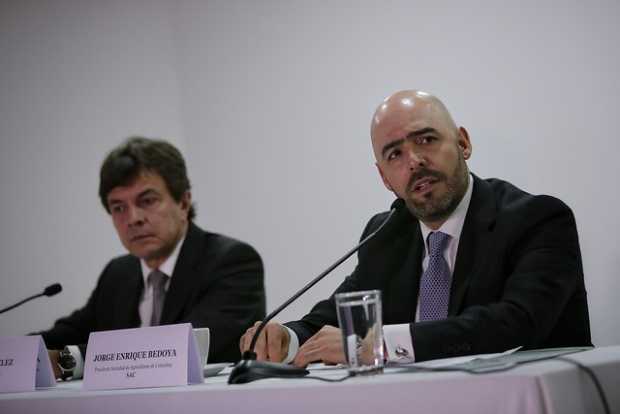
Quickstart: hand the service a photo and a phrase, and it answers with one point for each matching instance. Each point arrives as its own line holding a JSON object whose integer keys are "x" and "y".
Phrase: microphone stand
{"x": 38, "y": 295}
{"x": 248, "y": 368}
{"x": 49, "y": 291}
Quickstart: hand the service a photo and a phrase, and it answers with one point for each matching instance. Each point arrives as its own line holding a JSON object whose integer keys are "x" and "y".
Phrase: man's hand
{"x": 325, "y": 345}
{"x": 54, "y": 355}
{"x": 272, "y": 343}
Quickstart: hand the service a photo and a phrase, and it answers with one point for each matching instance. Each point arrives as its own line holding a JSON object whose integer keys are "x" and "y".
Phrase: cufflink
{"x": 401, "y": 352}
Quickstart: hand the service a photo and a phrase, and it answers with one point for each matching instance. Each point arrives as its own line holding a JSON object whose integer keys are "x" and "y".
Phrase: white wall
{"x": 271, "y": 102}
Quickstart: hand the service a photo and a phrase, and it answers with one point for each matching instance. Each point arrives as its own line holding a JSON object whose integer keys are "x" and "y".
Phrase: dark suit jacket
{"x": 217, "y": 283}
{"x": 518, "y": 278}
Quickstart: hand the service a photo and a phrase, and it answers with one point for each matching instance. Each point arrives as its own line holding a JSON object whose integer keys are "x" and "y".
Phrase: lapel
{"x": 401, "y": 300}
{"x": 184, "y": 276}
{"x": 127, "y": 299}
{"x": 474, "y": 243}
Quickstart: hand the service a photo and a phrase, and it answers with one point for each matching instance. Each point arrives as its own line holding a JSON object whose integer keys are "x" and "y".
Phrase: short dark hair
{"x": 138, "y": 154}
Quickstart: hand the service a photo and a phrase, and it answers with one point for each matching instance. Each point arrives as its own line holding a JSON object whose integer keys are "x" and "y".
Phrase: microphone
{"x": 249, "y": 369}
{"x": 51, "y": 290}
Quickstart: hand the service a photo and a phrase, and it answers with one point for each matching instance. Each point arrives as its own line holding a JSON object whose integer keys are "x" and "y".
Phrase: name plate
{"x": 157, "y": 356}
{"x": 24, "y": 364}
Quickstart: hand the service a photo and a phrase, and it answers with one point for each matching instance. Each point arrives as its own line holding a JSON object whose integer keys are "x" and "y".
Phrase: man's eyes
{"x": 424, "y": 139}
{"x": 148, "y": 201}
{"x": 117, "y": 209}
{"x": 394, "y": 154}
{"x": 144, "y": 202}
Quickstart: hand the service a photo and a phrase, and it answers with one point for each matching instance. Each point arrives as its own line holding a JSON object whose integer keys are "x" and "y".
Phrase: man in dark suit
{"x": 175, "y": 272}
{"x": 471, "y": 266}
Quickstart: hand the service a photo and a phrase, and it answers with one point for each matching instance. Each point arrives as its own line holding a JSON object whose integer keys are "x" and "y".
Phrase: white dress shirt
{"x": 145, "y": 308}
{"x": 398, "y": 337}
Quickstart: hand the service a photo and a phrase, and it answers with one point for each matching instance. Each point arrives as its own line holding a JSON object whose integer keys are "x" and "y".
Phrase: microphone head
{"x": 398, "y": 204}
{"x": 51, "y": 290}
{"x": 396, "y": 217}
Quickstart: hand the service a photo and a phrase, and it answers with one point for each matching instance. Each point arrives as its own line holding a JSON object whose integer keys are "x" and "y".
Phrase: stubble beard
{"x": 434, "y": 209}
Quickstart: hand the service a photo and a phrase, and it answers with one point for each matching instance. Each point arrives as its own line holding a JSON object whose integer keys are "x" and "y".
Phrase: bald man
{"x": 474, "y": 266}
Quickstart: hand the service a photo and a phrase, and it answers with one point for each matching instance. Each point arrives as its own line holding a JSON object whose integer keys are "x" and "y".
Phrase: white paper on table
{"x": 446, "y": 362}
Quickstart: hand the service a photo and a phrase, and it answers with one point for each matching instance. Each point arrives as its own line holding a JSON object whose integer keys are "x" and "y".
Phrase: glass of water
{"x": 359, "y": 317}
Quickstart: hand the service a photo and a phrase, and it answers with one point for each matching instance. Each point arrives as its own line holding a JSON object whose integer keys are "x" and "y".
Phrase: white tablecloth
{"x": 540, "y": 387}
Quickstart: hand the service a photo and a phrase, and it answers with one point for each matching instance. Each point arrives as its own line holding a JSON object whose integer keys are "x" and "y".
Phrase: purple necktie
{"x": 435, "y": 282}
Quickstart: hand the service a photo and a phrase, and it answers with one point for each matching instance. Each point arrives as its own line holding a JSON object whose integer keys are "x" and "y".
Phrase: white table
{"x": 540, "y": 387}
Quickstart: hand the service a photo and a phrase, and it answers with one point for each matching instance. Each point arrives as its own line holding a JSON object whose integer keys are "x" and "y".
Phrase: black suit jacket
{"x": 217, "y": 283}
{"x": 517, "y": 280}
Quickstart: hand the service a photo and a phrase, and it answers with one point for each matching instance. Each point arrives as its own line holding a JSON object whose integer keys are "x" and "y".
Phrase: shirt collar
{"x": 167, "y": 267}
{"x": 454, "y": 224}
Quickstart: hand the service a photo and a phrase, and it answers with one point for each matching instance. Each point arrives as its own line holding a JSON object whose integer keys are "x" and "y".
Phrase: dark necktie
{"x": 158, "y": 281}
{"x": 435, "y": 281}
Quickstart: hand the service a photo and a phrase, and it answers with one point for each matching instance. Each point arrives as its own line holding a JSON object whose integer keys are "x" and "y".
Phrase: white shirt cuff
{"x": 293, "y": 346}
{"x": 78, "y": 371}
{"x": 398, "y": 343}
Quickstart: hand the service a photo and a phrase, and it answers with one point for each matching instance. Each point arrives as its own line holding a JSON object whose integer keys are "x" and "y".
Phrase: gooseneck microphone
{"x": 51, "y": 290}
{"x": 249, "y": 369}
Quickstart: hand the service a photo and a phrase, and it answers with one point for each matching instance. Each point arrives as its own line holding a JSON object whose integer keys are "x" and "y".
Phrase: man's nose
{"x": 416, "y": 159}
{"x": 136, "y": 216}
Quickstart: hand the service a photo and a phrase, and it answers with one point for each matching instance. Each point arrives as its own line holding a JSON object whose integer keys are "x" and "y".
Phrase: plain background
{"x": 270, "y": 101}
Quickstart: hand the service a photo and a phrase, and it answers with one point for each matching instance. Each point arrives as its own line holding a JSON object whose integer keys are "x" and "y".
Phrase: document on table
{"x": 491, "y": 362}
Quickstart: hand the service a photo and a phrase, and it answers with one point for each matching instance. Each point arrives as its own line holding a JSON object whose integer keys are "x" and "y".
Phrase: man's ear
{"x": 384, "y": 179}
{"x": 464, "y": 143}
{"x": 186, "y": 201}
